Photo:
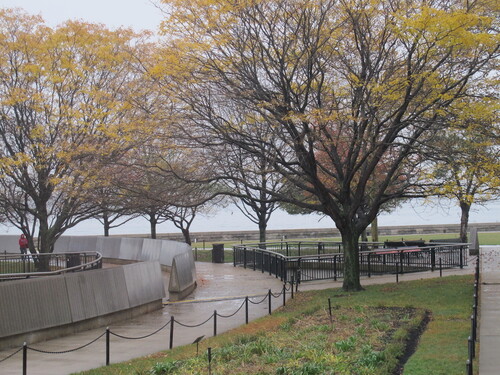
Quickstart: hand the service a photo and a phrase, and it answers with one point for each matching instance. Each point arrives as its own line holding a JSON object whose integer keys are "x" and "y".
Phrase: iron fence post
{"x": 269, "y": 300}
{"x": 335, "y": 268}
{"x": 433, "y": 259}
{"x": 369, "y": 266}
{"x": 171, "y": 345}
{"x": 473, "y": 327}
{"x": 215, "y": 322}
{"x": 471, "y": 348}
{"x": 25, "y": 358}
{"x": 209, "y": 361}
{"x": 469, "y": 367}
{"x": 107, "y": 346}
{"x": 284, "y": 295}
{"x": 246, "y": 310}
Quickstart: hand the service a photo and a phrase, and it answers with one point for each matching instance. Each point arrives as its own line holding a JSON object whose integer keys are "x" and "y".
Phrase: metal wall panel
{"x": 144, "y": 283}
{"x": 29, "y": 305}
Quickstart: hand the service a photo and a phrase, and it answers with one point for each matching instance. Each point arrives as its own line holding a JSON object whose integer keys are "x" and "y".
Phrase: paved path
{"x": 215, "y": 281}
{"x": 489, "y": 301}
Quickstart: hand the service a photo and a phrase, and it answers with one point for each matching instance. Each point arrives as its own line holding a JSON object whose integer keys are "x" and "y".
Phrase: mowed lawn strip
{"x": 366, "y": 335}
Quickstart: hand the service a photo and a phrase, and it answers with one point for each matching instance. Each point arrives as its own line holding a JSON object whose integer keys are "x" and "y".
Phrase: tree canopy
{"x": 64, "y": 114}
{"x": 348, "y": 90}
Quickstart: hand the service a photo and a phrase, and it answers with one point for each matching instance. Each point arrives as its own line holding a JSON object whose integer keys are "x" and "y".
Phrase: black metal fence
{"x": 474, "y": 323}
{"x": 21, "y": 266}
{"x": 300, "y": 261}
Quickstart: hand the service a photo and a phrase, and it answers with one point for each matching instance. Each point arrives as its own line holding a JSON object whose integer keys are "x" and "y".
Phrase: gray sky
{"x": 138, "y": 14}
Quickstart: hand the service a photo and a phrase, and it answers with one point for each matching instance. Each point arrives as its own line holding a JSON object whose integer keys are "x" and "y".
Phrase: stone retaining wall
{"x": 276, "y": 235}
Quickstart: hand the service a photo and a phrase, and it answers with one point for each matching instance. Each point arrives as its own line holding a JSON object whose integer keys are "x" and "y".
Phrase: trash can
{"x": 73, "y": 260}
{"x": 218, "y": 253}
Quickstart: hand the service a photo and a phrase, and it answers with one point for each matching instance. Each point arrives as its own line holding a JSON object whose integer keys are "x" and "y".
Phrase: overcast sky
{"x": 138, "y": 14}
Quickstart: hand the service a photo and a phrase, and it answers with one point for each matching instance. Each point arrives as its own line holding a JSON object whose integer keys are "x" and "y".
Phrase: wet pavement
{"x": 221, "y": 288}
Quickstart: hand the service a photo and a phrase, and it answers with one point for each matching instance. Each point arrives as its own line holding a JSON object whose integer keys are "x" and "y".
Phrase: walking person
{"x": 23, "y": 244}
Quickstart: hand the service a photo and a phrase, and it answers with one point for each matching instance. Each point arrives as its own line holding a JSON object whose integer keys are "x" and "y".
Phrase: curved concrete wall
{"x": 126, "y": 248}
{"x": 45, "y": 307}
{"x": 176, "y": 256}
{"x": 41, "y": 308}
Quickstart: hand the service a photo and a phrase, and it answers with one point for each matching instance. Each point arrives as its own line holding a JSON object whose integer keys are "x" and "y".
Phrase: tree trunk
{"x": 374, "y": 229}
{"x": 105, "y": 219}
{"x": 187, "y": 235}
{"x": 464, "y": 221}
{"x": 262, "y": 230}
{"x": 46, "y": 242}
{"x": 351, "y": 261}
{"x": 152, "y": 224}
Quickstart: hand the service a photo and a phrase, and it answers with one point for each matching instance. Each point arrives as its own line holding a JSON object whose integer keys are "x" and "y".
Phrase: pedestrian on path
{"x": 23, "y": 244}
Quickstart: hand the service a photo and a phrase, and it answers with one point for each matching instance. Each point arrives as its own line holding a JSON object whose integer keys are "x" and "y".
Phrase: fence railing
{"x": 474, "y": 323}
{"x": 309, "y": 261}
{"x": 22, "y": 266}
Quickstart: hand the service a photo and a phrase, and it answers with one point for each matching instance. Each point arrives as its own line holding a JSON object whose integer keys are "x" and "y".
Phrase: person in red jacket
{"x": 23, "y": 244}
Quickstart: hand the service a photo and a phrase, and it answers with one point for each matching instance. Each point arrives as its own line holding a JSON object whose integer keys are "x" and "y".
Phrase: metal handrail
{"x": 376, "y": 261}
{"x": 434, "y": 245}
{"x": 61, "y": 257}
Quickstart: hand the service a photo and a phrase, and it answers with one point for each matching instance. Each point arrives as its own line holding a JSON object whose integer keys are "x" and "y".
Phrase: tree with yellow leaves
{"x": 467, "y": 156}
{"x": 344, "y": 87}
{"x": 65, "y": 113}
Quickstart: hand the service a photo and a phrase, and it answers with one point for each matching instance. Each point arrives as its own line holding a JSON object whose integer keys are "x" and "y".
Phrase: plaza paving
{"x": 219, "y": 286}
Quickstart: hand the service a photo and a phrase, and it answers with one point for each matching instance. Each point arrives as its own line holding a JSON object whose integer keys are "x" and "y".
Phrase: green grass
{"x": 206, "y": 256}
{"x": 365, "y": 336}
{"x": 485, "y": 238}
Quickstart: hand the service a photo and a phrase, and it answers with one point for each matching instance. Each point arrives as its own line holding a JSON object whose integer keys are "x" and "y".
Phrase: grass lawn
{"x": 485, "y": 238}
{"x": 366, "y": 335}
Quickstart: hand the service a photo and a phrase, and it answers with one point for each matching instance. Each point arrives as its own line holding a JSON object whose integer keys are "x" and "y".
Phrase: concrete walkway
{"x": 489, "y": 302}
{"x": 218, "y": 285}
